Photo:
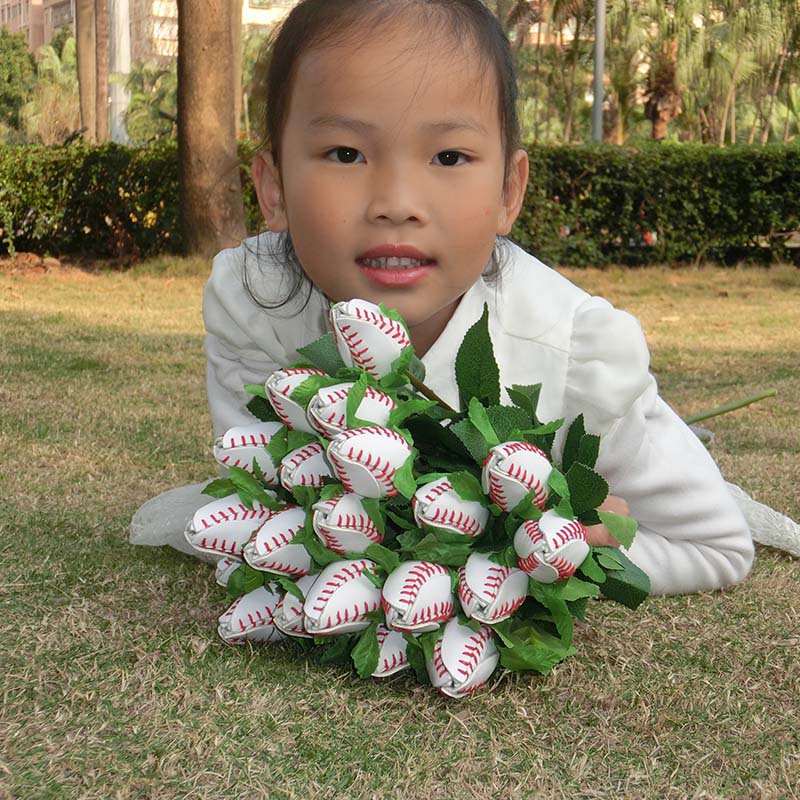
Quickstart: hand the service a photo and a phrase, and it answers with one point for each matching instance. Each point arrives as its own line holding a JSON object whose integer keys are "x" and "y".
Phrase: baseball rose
{"x": 327, "y": 409}
{"x": 512, "y": 470}
{"x": 551, "y": 548}
{"x": 463, "y": 660}
{"x": 437, "y": 504}
{"x": 279, "y": 387}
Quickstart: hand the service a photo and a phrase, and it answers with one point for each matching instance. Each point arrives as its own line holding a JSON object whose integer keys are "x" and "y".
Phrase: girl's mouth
{"x": 395, "y": 263}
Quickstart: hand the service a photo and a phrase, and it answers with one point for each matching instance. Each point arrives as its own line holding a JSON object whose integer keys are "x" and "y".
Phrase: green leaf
{"x": 372, "y": 505}
{"x": 250, "y": 489}
{"x": 304, "y": 391}
{"x": 295, "y": 439}
{"x": 607, "y": 557}
{"x": 331, "y": 490}
{"x": 622, "y": 528}
{"x": 417, "y": 369}
{"x": 477, "y": 374}
{"x": 235, "y": 585}
{"x": 629, "y": 586}
{"x": 411, "y": 538}
{"x": 507, "y": 421}
{"x": 572, "y": 442}
{"x": 398, "y": 375}
{"x": 543, "y": 430}
{"x": 428, "y": 641}
{"x": 222, "y": 487}
{"x": 262, "y": 410}
{"x": 290, "y": 586}
{"x": 589, "y": 450}
{"x": 383, "y": 557}
{"x": 323, "y": 354}
{"x": 526, "y": 398}
{"x": 354, "y": 398}
{"x": 416, "y": 658}
{"x": 257, "y": 389}
{"x": 558, "y": 483}
{"x": 336, "y": 649}
{"x": 403, "y": 479}
{"x": 407, "y": 408}
{"x": 305, "y": 496}
{"x": 448, "y": 553}
{"x": 479, "y": 418}
{"x": 587, "y": 489}
{"x": 278, "y": 445}
{"x": 365, "y": 653}
{"x": 527, "y": 508}
{"x": 467, "y": 487}
{"x": 253, "y": 578}
{"x": 536, "y": 657}
{"x": 370, "y": 574}
{"x": 507, "y": 557}
{"x": 320, "y": 554}
{"x": 575, "y": 589}
{"x": 591, "y": 569}
{"x": 472, "y": 439}
{"x": 551, "y": 597}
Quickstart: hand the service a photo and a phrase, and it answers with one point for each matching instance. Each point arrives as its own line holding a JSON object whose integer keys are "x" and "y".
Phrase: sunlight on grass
{"x": 116, "y": 686}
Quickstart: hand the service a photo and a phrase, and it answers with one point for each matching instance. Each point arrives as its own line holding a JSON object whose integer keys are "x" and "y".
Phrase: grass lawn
{"x": 114, "y": 684}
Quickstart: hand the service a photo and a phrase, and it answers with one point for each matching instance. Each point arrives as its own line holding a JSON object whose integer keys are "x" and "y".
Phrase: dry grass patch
{"x": 115, "y": 685}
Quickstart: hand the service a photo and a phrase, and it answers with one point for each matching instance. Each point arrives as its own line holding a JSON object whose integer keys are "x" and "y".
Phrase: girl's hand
{"x": 598, "y": 535}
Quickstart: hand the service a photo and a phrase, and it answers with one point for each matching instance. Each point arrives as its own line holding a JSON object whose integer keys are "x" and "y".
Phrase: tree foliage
{"x": 17, "y": 71}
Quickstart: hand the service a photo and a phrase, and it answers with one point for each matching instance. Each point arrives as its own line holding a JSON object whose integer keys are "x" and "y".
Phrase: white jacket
{"x": 590, "y": 358}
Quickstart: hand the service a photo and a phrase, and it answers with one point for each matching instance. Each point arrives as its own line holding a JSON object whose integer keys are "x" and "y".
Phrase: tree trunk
{"x": 773, "y": 94}
{"x": 101, "y": 58}
{"x": 236, "y": 50}
{"x": 87, "y": 66}
{"x": 212, "y": 210}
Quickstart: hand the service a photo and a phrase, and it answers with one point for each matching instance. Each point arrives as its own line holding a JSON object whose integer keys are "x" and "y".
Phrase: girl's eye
{"x": 345, "y": 155}
{"x": 449, "y": 158}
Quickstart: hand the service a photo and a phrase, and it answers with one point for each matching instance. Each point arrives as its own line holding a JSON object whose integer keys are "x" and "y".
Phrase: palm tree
{"x": 101, "y": 64}
{"x": 87, "y": 66}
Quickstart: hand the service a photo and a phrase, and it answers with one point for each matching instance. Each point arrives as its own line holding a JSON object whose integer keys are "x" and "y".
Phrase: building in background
{"x": 153, "y": 23}
{"x": 24, "y": 16}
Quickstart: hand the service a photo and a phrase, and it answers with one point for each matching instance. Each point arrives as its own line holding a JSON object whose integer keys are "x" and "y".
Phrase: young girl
{"x": 392, "y": 168}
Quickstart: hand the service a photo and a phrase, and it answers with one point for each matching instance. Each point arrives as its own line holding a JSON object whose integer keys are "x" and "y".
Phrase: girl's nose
{"x": 396, "y": 198}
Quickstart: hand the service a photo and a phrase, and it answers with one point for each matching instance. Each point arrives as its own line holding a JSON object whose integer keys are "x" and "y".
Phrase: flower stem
{"x": 429, "y": 393}
{"x": 732, "y": 406}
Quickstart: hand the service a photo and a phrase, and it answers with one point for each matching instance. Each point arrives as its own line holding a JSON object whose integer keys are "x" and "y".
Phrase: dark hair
{"x": 313, "y": 23}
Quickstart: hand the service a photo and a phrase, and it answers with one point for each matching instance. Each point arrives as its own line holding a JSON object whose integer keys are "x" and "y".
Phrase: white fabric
{"x": 590, "y": 358}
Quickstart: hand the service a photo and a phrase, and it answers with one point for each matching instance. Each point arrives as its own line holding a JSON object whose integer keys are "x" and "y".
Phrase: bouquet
{"x": 365, "y": 517}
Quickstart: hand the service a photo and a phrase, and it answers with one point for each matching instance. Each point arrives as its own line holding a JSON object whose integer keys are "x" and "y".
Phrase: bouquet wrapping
{"x": 364, "y": 517}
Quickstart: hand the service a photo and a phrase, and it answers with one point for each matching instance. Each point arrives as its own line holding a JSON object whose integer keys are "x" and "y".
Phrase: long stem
{"x": 732, "y": 406}
{"x": 429, "y": 393}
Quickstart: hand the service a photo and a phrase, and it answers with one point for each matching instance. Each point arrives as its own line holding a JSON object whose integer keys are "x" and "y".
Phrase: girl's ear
{"x": 514, "y": 192}
{"x": 267, "y": 181}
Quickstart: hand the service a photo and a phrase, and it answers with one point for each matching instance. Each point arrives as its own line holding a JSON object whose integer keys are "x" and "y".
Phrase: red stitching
{"x": 473, "y": 650}
{"x": 234, "y": 514}
{"x": 384, "y": 324}
{"x": 416, "y": 578}
{"x": 438, "y": 662}
{"x": 565, "y": 568}
{"x": 466, "y": 523}
{"x": 529, "y": 563}
{"x": 343, "y": 615}
{"x": 339, "y": 579}
{"x": 434, "y": 613}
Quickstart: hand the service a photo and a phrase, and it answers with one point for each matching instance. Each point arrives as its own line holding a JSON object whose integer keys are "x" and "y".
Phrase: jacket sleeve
{"x": 691, "y": 536}
{"x": 241, "y": 344}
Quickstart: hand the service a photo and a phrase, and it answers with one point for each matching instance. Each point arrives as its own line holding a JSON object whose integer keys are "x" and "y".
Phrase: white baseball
{"x": 327, "y": 410}
{"x": 552, "y": 548}
{"x": 366, "y": 337}
{"x": 288, "y": 616}
{"x": 304, "y": 466}
{"x": 224, "y": 569}
{"x": 366, "y": 459}
{"x": 223, "y": 526}
{"x": 490, "y": 592}
{"x": 343, "y": 525}
{"x": 417, "y": 596}
{"x": 271, "y": 549}
{"x": 250, "y": 618}
{"x": 513, "y": 469}
{"x": 437, "y": 504}
{"x": 391, "y": 652}
{"x": 463, "y": 661}
{"x": 340, "y": 599}
{"x": 279, "y": 386}
{"x": 239, "y": 446}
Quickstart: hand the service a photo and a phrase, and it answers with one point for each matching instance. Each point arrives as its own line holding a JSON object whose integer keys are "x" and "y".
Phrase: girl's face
{"x": 391, "y": 176}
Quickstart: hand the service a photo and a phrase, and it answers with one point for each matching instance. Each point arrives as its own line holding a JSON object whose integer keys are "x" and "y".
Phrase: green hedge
{"x": 660, "y": 204}
{"x": 584, "y": 205}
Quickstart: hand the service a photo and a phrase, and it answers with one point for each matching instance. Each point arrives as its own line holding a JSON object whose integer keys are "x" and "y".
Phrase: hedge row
{"x": 584, "y": 205}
